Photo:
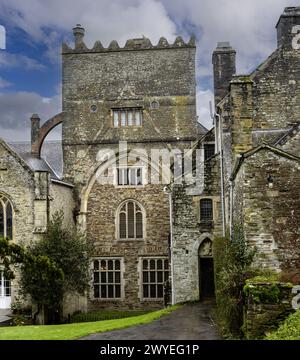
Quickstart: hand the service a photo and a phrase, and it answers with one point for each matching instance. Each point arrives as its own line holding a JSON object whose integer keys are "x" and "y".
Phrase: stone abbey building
{"x": 124, "y": 107}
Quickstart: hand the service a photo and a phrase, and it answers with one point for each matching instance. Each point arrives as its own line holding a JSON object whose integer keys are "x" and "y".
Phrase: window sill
{"x": 208, "y": 224}
{"x": 130, "y": 186}
{"x": 126, "y": 240}
{"x": 107, "y": 300}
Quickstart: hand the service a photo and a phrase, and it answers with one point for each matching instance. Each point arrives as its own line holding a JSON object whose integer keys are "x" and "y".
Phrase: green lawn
{"x": 106, "y": 315}
{"x": 75, "y": 331}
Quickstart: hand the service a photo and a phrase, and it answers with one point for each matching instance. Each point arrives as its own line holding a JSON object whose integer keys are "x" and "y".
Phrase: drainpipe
{"x": 169, "y": 192}
{"x": 220, "y": 140}
{"x": 231, "y": 207}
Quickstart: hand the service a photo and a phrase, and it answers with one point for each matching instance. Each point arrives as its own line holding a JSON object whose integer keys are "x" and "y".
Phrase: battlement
{"x": 131, "y": 44}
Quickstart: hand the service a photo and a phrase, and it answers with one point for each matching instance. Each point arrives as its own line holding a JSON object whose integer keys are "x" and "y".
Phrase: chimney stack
{"x": 35, "y": 131}
{"x": 78, "y": 32}
{"x": 288, "y": 28}
{"x": 224, "y": 67}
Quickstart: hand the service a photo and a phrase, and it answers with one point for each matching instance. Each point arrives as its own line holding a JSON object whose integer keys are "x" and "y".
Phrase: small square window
{"x": 127, "y": 117}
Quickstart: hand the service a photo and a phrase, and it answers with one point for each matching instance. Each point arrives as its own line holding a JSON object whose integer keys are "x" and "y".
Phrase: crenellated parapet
{"x": 131, "y": 44}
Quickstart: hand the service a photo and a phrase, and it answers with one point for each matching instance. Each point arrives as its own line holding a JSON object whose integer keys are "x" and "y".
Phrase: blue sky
{"x": 30, "y": 72}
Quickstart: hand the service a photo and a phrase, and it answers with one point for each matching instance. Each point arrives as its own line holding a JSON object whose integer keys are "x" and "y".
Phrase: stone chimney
{"x": 78, "y": 32}
{"x": 224, "y": 67}
{"x": 35, "y": 132}
{"x": 288, "y": 28}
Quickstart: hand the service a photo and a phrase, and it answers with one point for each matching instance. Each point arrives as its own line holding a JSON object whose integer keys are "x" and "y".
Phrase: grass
{"x": 77, "y": 330}
{"x": 288, "y": 330}
{"x": 105, "y": 315}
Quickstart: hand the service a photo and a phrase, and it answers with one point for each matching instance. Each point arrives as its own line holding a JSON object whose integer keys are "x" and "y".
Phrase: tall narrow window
{"x": 209, "y": 151}
{"x": 206, "y": 210}
{"x": 107, "y": 279}
{"x": 155, "y": 272}
{"x": 6, "y": 218}
{"x": 130, "y": 219}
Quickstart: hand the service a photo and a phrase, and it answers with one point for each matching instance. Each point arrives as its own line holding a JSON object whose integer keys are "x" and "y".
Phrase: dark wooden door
{"x": 207, "y": 281}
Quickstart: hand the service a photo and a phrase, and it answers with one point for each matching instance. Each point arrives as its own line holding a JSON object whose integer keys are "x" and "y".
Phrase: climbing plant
{"x": 233, "y": 259}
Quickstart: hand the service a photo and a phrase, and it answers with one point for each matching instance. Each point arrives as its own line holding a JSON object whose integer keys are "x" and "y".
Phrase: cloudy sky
{"x": 30, "y": 66}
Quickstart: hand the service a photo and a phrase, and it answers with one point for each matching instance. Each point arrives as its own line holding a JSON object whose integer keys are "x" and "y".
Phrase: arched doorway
{"x": 206, "y": 270}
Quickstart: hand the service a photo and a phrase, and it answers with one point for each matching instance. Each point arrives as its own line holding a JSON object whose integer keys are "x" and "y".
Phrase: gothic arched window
{"x": 6, "y": 217}
{"x": 130, "y": 221}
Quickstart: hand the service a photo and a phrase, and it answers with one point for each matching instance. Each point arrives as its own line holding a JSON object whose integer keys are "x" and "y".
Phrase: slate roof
{"x": 51, "y": 157}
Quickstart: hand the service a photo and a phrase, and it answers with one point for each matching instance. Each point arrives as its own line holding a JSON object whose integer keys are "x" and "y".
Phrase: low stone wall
{"x": 266, "y": 305}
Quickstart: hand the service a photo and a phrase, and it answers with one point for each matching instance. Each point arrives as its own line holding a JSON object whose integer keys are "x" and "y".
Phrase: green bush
{"x": 232, "y": 259}
{"x": 288, "y": 330}
{"x": 266, "y": 291}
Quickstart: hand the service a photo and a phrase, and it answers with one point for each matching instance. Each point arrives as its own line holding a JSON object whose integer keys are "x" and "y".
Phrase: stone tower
{"x": 144, "y": 95}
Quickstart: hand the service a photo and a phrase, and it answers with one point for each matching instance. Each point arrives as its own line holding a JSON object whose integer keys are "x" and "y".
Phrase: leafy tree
{"x": 42, "y": 271}
{"x": 52, "y": 267}
{"x": 68, "y": 250}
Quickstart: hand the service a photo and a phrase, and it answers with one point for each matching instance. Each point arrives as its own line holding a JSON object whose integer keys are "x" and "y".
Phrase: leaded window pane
{"x": 110, "y": 291}
{"x": 1, "y": 220}
{"x": 103, "y": 277}
{"x": 122, "y": 226}
{"x": 139, "y": 225}
{"x": 130, "y": 118}
{"x": 137, "y": 118}
{"x": 117, "y": 277}
{"x": 117, "y": 291}
{"x": 130, "y": 219}
{"x": 123, "y": 118}
{"x": 117, "y": 265}
{"x": 155, "y": 274}
{"x": 108, "y": 278}
{"x": 116, "y": 118}
{"x": 206, "y": 210}
{"x": 96, "y": 277}
{"x": 96, "y": 291}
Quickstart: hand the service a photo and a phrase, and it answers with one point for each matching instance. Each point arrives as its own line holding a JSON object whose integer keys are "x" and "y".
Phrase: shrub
{"x": 68, "y": 250}
{"x": 288, "y": 330}
{"x": 233, "y": 259}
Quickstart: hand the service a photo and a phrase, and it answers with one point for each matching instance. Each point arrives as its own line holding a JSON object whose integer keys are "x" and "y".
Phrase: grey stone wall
{"x": 267, "y": 304}
{"x": 269, "y": 211}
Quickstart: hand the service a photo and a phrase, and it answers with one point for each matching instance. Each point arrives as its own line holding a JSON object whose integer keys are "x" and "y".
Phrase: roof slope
{"x": 51, "y": 159}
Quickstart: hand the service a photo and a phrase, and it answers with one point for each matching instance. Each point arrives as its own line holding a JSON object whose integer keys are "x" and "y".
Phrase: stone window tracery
{"x": 130, "y": 221}
{"x": 6, "y": 217}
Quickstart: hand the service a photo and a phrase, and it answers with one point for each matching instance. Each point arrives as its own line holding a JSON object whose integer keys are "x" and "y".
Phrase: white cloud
{"x": 104, "y": 20}
{"x": 204, "y": 97}
{"x": 4, "y": 83}
{"x": 249, "y": 25}
{"x": 8, "y": 60}
{"x": 17, "y": 108}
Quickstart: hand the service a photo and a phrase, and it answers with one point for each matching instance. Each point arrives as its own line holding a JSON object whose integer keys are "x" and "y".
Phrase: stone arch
{"x": 40, "y": 133}
{"x": 205, "y": 248}
{"x": 199, "y": 241}
{"x": 92, "y": 178}
{"x": 206, "y": 268}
